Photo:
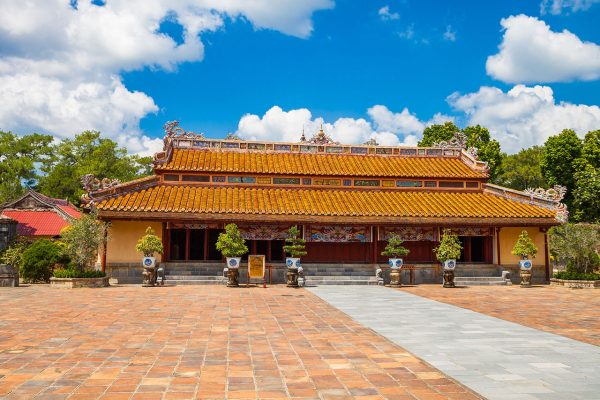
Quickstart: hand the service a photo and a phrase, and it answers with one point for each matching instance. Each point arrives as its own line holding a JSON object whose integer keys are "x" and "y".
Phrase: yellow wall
{"x": 508, "y": 238}
{"x": 123, "y": 235}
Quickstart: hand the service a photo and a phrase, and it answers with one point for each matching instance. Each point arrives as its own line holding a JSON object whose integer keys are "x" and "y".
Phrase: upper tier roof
{"x": 216, "y": 160}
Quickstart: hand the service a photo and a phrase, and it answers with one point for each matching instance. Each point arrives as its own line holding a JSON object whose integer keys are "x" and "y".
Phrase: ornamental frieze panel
{"x": 473, "y": 231}
{"x": 192, "y": 225}
{"x": 408, "y": 233}
{"x": 264, "y": 232}
{"x": 339, "y": 233}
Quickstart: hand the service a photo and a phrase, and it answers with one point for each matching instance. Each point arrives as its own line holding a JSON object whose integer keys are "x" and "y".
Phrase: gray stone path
{"x": 496, "y": 358}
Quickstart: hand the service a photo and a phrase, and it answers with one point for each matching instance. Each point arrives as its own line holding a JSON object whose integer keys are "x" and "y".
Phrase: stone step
{"x": 195, "y": 277}
{"x": 479, "y": 278}
{"x": 341, "y": 282}
{"x": 338, "y": 277}
{"x": 179, "y": 282}
{"x": 480, "y": 281}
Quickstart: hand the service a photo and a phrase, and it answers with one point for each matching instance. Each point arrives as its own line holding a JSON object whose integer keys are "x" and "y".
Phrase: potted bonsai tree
{"x": 395, "y": 251}
{"x": 447, "y": 253}
{"x": 231, "y": 244}
{"x": 148, "y": 245}
{"x": 295, "y": 248}
{"x": 525, "y": 248}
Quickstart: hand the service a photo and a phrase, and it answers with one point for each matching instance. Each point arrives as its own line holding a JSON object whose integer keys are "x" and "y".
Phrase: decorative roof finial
{"x": 303, "y": 138}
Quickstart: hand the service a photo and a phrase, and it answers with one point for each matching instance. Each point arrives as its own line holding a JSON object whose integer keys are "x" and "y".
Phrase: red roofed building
{"x": 39, "y": 216}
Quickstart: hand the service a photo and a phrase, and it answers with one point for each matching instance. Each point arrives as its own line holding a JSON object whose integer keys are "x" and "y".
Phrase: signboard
{"x": 256, "y": 266}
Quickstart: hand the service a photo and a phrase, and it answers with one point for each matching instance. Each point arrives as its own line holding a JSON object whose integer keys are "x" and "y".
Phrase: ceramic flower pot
{"x": 525, "y": 265}
{"x": 292, "y": 262}
{"x": 395, "y": 263}
{"x": 233, "y": 262}
{"x": 449, "y": 265}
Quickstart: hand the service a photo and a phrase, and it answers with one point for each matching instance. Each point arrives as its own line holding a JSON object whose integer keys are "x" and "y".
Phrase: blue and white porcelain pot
{"x": 525, "y": 265}
{"x": 449, "y": 265}
{"x": 233, "y": 262}
{"x": 148, "y": 262}
{"x": 395, "y": 263}
{"x": 292, "y": 262}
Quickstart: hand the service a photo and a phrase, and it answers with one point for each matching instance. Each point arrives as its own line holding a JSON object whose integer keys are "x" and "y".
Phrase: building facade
{"x": 347, "y": 200}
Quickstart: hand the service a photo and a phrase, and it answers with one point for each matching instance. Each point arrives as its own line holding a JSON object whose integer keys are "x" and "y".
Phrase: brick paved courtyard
{"x": 574, "y": 313}
{"x": 199, "y": 342}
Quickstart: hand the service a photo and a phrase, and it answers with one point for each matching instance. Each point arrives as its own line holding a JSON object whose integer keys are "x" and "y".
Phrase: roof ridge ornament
{"x": 555, "y": 194}
{"x": 173, "y": 130}
{"x": 92, "y": 184}
{"x": 321, "y": 138}
{"x": 371, "y": 142}
{"x": 458, "y": 140}
{"x": 232, "y": 136}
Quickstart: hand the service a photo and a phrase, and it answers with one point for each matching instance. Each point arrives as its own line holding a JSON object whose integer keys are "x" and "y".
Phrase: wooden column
{"x": 547, "y": 257}
{"x": 104, "y": 247}
{"x": 374, "y": 238}
{"x": 187, "y": 245}
{"x": 498, "y": 245}
{"x": 205, "y": 244}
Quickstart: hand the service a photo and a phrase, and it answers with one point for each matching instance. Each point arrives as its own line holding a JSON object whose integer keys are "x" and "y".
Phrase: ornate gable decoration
{"x": 174, "y": 131}
{"x": 322, "y": 138}
{"x": 555, "y": 194}
{"x": 92, "y": 184}
{"x": 459, "y": 140}
{"x": 371, "y": 142}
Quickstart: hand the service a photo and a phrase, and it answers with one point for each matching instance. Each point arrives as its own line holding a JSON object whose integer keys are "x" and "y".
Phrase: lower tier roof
{"x": 273, "y": 204}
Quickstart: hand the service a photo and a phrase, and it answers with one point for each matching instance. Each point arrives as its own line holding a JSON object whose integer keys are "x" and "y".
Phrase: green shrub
{"x": 296, "y": 246}
{"x": 75, "y": 273}
{"x": 149, "y": 244}
{"x": 39, "y": 260}
{"x": 394, "y": 248}
{"x": 13, "y": 254}
{"x": 449, "y": 248}
{"x": 576, "y": 276}
{"x": 524, "y": 247}
{"x": 230, "y": 243}
{"x": 82, "y": 240}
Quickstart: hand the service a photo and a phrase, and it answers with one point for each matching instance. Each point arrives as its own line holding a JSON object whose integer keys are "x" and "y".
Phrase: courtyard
{"x": 129, "y": 342}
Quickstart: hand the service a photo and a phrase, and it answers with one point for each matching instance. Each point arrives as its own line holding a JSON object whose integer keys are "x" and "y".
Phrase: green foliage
{"x": 75, "y": 273}
{"x": 576, "y": 276}
{"x": 297, "y": 245}
{"x": 489, "y": 150}
{"x": 13, "y": 254}
{"x": 586, "y": 195}
{"x": 522, "y": 170}
{"x": 88, "y": 153}
{"x": 477, "y": 136}
{"x": 18, "y": 158}
{"x": 449, "y": 247}
{"x": 149, "y": 244}
{"x": 591, "y": 148}
{"x": 577, "y": 245}
{"x": 558, "y": 161}
{"x": 82, "y": 240}
{"x": 40, "y": 258}
{"x": 524, "y": 247}
{"x": 436, "y": 133}
{"x": 230, "y": 243}
{"x": 394, "y": 248}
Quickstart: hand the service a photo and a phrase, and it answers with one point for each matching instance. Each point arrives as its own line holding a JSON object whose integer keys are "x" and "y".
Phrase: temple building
{"x": 347, "y": 200}
{"x": 39, "y": 216}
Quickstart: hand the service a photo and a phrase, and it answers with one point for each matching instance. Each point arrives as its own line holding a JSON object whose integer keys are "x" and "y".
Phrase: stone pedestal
{"x": 292, "y": 277}
{"x": 9, "y": 276}
{"x": 233, "y": 277}
{"x": 148, "y": 276}
{"x": 395, "y": 277}
{"x": 525, "y": 278}
{"x": 449, "y": 279}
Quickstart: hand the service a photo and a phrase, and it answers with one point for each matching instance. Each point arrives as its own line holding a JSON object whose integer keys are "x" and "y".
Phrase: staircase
{"x": 194, "y": 274}
{"x": 481, "y": 281}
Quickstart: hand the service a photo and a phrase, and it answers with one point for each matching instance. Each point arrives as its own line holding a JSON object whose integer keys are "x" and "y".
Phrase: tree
{"x": 524, "y": 247}
{"x": 88, "y": 153}
{"x": 449, "y": 247}
{"x": 591, "y": 148}
{"x": 522, "y": 170}
{"x": 577, "y": 245}
{"x": 394, "y": 248}
{"x": 19, "y": 156}
{"x": 39, "y": 259}
{"x": 558, "y": 161}
{"x": 296, "y": 245}
{"x": 149, "y": 244}
{"x": 477, "y": 136}
{"x": 230, "y": 243}
{"x": 83, "y": 239}
{"x": 489, "y": 150}
{"x": 586, "y": 195}
{"x": 436, "y": 133}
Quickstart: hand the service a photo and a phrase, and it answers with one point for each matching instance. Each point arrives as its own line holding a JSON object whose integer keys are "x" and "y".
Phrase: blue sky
{"x": 316, "y": 61}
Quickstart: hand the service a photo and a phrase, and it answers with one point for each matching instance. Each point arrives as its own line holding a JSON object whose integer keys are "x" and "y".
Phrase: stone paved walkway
{"x": 574, "y": 313}
{"x": 496, "y": 358}
{"x": 200, "y": 342}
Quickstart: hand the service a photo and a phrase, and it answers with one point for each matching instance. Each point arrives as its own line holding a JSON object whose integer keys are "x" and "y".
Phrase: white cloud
{"x": 531, "y": 52}
{"x": 60, "y": 65}
{"x": 556, "y": 7}
{"x": 407, "y": 33}
{"x": 524, "y": 116}
{"x": 450, "y": 34}
{"x": 386, "y": 15}
{"x": 386, "y": 127}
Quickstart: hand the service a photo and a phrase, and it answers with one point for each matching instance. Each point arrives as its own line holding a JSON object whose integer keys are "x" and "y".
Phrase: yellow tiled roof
{"x": 317, "y": 164}
{"x": 311, "y": 202}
